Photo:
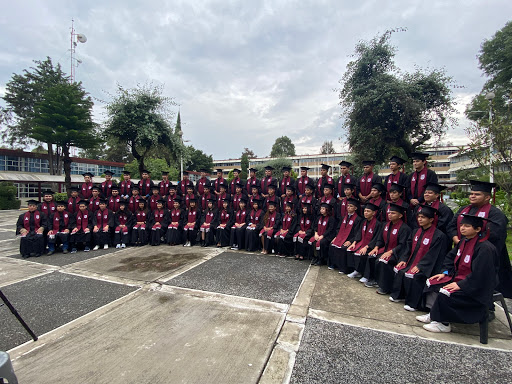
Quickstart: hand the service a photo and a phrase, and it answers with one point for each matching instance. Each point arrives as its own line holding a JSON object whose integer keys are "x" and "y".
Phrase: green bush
{"x": 8, "y": 198}
{"x": 60, "y": 196}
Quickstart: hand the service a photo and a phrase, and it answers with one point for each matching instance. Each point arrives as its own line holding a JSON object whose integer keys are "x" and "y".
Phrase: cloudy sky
{"x": 247, "y": 72}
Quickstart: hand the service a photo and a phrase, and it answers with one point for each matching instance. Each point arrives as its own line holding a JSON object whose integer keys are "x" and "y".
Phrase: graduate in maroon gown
{"x": 155, "y": 196}
{"x": 184, "y": 184}
{"x": 123, "y": 222}
{"x": 145, "y": 184}
{"x": 86, "y": 187}
{"x": 236, "y": 180}
{"x": 94, "y": 200}
{"x": 309, "y": 196}
{"x": 235, "y": 198}
{"x": 366, "y": 181}
{"x": 125, "y": 186}
{"x": 209, "y": 222}
{"x": 192, "y": 221}
{"x": 103, "y": 226}
{"x": 271, "y": 222}
{"x": 114, "y": 200}
{"x": 324, "y": 233}
{"x": 285, "y": 182}
{"x": 345, "y": 178}
{"x": 225, "y": 221}
{"x": 432, "y": 198}
{"x": 169, "y": 199}
{"x": 396, "y": 176}
{"x": 324, "y": 179}
{"x": 106, "y": 186}
{"x": 163, "y": 186}
{"x": 284, "y": 236}
{"x": 376, "y": 197}
{"x": 304, "y": 232}
{"x": 48, "y": 205}
{"x": 252, "y": 180}
{"x": 237, "y": 232}
{"x": 302, "y": 181}
{"x": 419, "y": 178}
{"x": 341, "y": 209}
{"x": 73, "y": 200}
{"x": 158, "y": 222}
{"x": 59, "y": 224}
{"x": 254, "y": 226}
{"x": 176, "y": 222}
{"x": 267, "y": 180}
{"x": 133, "y": 200}
{"x": 203, "y": 185}
{"x": 219, "y": 181}
{"x": 81, "y": 232}
{"x": 140, "y": 225}
{"x": 31, "y": 226}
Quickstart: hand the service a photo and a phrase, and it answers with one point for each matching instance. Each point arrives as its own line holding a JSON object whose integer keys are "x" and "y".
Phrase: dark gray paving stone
{"x": 58, "y": 259}
{"x": 52, "y": 300}
{"x": 247, "y": 275}
{"x": 335, "y": 353}
{"x": 7, "y": 235}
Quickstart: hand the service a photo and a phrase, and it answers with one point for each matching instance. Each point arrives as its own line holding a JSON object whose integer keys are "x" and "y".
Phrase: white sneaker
{"x": 363, "y": 280}
{"x": 437, "y": 327}
{"x": 395, "y": 300}
{"x": 409, "y": 308}
{"x": 354, "y": 275}
{"x": 96, "y": 248}
{"x": 118, "y": 246}
{"x": 123, "y": 245}
{"x": 424, "y": 318}
{"x": 341, "y": 272}
{"x": 105, "y": 246}
{"x": 330, "y": 268}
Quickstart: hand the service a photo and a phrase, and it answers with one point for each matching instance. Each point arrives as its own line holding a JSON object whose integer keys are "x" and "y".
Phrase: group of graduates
{"x": 394, "y": 234}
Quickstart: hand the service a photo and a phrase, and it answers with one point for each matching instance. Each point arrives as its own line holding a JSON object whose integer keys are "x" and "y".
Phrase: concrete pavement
{"x": 203, "y": 315}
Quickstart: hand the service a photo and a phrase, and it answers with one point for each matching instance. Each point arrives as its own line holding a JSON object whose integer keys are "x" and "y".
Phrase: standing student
{"x": 366, "y": 181}
{"x": 103, "y": 224}
{"x": 155, "y": 196}
{"x": 72, "y": 206}
{"x": 285, "y": 182}
{"x": 158, "y": 222}
{"x": 169, "y": 199}
{"x": 203, "y": 185}
{"x": 267, "y": 180}
{"x": 94, "y": 200}
{"x": 206, "y": 197}
{"x": 125, "y": 186}
{"x": 425, "y": 258}
{"x": 376, "y": 193}
{"x": 59, "y": 223}
{"x": 106, "y": 186}
{"x": 222, "y": 195}
{"x": 114, "y": 200}
{"x": 81, "y": 232}
{"x": 184, "y": 184}
{"x": 86, "y": 187}
{"x": 139, "y": 233}
{"x": 164, "y": 185}
{"x": 344, "y": 179}
{"x": 289, "y": 197}
{"x": 133, "y": 200}
{"x": 271, "y": 222}
{"x": 251, "y": 181}
{"x": 235, "y": 197}
{"x": 123, "y": 222}
{"x": 467, "y": 281}
{"x": 284, "y": 236}
{"x": 304, "y": 232}
{"x": 220, "y": 180}
{"x": 237, "y": 232}
{"x": 31, "y": 226}
{"x": 419, "y": 178}
{"x": 48, "y": 205}
{"x": 254, "y": 226}
{"x": 324, "y": 232}
{"x": 272, "y": 197}
{"x": 341, "y": 210}
{"x": 432, "y": 198}
{"x": 323, "y": 180}
{"x": 302, "y": 181}
{"x": 192, "y": 222}
{"x": 309, "y": 196}
{"x": 396, "y": 176}
{"x": 145, "y": 184}
{"x": 236, "y": 181}
{"x": 255, "y": 195}
{"x": 396, "y": 192}
{"x": 327, "y": 198}
{"x": 188, "y": 197}
{"x": 388, "y": 249}
{"x": 209, "y": 223}
{"x": 226, "y": 218}
{"x": 176, "y": 223}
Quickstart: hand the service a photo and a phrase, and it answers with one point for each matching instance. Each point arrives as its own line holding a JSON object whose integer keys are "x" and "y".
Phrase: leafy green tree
{"x": 278, "y": 164}
{"x": 63, "y": 117}
{"x": 327, "y": 148}
{"x": 155, "y": 166}
{"x": 139, "y": 118}
{"x": 496, "y": 57}
{"x": 385, "y": 109}
{"x": 244, "y": 164}
{"x": 283, "y": 147}
{"x": 198, "y": 159}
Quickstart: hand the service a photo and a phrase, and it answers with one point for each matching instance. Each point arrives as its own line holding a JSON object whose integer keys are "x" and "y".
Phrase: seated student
{"x": 176, "y": 223}
{"x": 209, "y": 222}
{"x": 133, "y": 200}
{"x": 424, "y": 258}
{"x": 31, "y": 226}
{"x": 289, "y": 197}
{"x": 158, "y": 221}
{"x": 94, "y": 200}
{"x": 206, "y": 197}
{"x": 185, "y": 199}
{"x": 309, "y": 196}
{"x": 155, "y": 196}
{"x": 285, "y": 182}
{"x": 139, "y": 233}
{"x": 48, "y": 205}
{"x": 192, "y": 221}
{"x": 376, "y": 193}
{"x": 103, "y": 222}
{"x": 254, "y": 226}
{"x": 327, "y": 197}
{"x": 272, "y": 197}
{"x": 388, "y": 248}
{"x": 235, "y": 198}
{"x": 325, "y": 231}
{"x": 226, "y": 217}
{"x": 432, "y": 197}
{"x": 357, "y": 252}
{"x": 251, "y": 181}
{"x": 237, "y": 232}
{"x": 341, "y": 210}
{"x": 271, "y": 222}
{"x": 123, "y": 222}
{"x": 304, "y": 232}
{"x": 463, "y": 292}
{"x": 221, "y": 195}
{"x": 346, "y": 233}
{"x": 73, "y": 200}
{"x": 169, "y": 199}
{"x": 396, "y": 192}
{"x": 255, "y": 195}
{"x": 59, "y": 223}
{"x": 81, "y": 232}
{"x": 284, "y": 236}
{"x": 114, "y": 199}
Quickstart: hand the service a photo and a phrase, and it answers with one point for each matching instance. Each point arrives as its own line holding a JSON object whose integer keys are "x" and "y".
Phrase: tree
{"x": 198, "y": 159}
{"x": 244, "y": 164}
{"x": 386, "y": 109}
{"x": 496, "y": 57}
{"x": 283, "y": 147}
{"x": 22, "y": 94}
{"x": 278, "y": 165}
{"x": 327, "y": 148}
{"x": 139, "y": 118}
{"x": 250, "y": 154}
{"x": 63, "y": 117}
{"x": 155, "y": 166}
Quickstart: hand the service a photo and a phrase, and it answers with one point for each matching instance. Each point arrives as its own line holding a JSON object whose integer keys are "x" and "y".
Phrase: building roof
{"x": 20, "y": 153}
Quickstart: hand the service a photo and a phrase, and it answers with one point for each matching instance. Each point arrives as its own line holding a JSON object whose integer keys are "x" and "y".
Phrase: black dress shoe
{"x": 50, "y": 253}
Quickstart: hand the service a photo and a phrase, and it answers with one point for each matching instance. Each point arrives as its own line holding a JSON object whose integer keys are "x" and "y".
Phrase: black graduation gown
{"x": 181, "y": 189}
{"x": 359, "y": 262}
{"x": 285, "y": 245}
{"x": 126, "y": 218}
{"x": 497, "y": 236}
{"x": 157, "y": 232}
{"x": 301, "y": 182}
{"x": 402, "y": 179}
{"x": 303, "y": 248}
{"x": 60, "y": 237}
{"x": 430, "y": 264}
{"x": 471, "y": 303}
{"x": 202, "y": 186}
{"x": 237, "y": 235}
{"x": 319, "y": 186}
{"x": 265, "y": 182}
{"x": 375, "y": 179}
{"x": 249, "y": 184}
{"x": 337, "y": 257}
{"x": 417, "y": 194}
{"x": 252, "y": 240}
{"x": 210, "y": 234}
{"x": 140, "y": 233}
{"x": 339, "y": 191}
{"x": 443, "y": 219}
{"x": 222, "y": 233}
{"x": 103, "y": 237}
{"x": 175, "y": 235}
{"x": 32, "y": 244}
{"x": 191, "y": 233}
{"x": 81, "y": 236}
{"x": 145, "y": 190}
{"x": 269, "y": 243}
{"x": 328, "y": 236}
{"x": 281, "y": 188}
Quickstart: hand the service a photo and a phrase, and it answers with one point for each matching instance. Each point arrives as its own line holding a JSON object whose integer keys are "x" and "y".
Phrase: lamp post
{"x": 490, "y": 97}
{"x": 181, "y": 155}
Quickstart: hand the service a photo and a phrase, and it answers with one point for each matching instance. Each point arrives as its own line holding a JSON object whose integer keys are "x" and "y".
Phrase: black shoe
{"x": 64, "y": 251}
{"x": 492, "y": 315}
{"x": 25, "y": 256}
{"x": 50, "y": 253}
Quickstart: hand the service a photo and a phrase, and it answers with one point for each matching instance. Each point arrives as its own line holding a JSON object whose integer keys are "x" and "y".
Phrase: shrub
{"x": 8, "y": 198}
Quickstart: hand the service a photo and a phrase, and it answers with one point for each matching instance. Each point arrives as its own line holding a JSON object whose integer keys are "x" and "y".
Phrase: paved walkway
{"x": 195, "y": 315}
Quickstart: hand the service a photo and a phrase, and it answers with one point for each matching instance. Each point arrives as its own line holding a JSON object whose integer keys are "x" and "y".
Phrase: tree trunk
{"x": 51, "y": 167}
{"x": 67, "y": 168}
{"x": 138, "y": 157}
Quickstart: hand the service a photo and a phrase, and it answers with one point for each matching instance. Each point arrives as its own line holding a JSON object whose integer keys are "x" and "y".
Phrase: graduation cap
{"x": 126, "y": 172}
{"x": 326, "y": 205}
{"x": 349, "y": 185}
{"x": 353, "y": 202}
{"x": 379, "y": 187}
{"x": 204, "y": 170}
{"x": 155, "y": 187}
{"x": 244, "y": 199}
{"x": 328, "y": 185}
{"x": 473, "y": 220}
{"x": 345, "y": 163}
{"x": 220, "y": 170}
{"x": 165, "y": 173}
{"x": 161, "y": 201}
{"x": 257, "y": 200}
{"x": 371, "y": 206}
{"x": 95, "y": 188}
{"x": 74, "y": 189}
{"x": 396, "y": 159}
{"x": 434, "y": 187}
{"x": 32, "y": 202}
{"x": 177, "y": 199}
{"x": 310, "y": 186}
{"x": 239, "y": 185}
{"x": 110, "y": 173}
{"x": 256, "y": 186}
{"x": 190, "y": 186}
{"x": 139, "y": 201}
{"x": 291, "y": 188}
{"x": 325, "y": 166}
{"x": 123, "y": 202}
{"x": 396, "y": 208}
{"x": 306, "y": 203}
{"x": 192, "y": 199}
{"x": 237, "y": 170}
{"x": 253, "y": 170}
{"x": 305, "y": 168}
{"x": 135, "y": 188}
{"x": 146, "y": 171}
{"x": 226, "y": 199}
{"x": 103, "y": 201}
{"x": 185, "y": 173}
{"x": 286, "y": 168}
{"x": 269, "y": 168}
{"x": 48, "y": 192}
{"x": 223, "y": 184}
{"x": 272, "y": 185}
{"x": 172, "y": 186}
{"x": 87, "y": 174}
{"x": 114, "y": 188}
{"x": 368, "y": 162}
{"x": 481, "y": 186}
{"x": 396, "y": 187}
{"x": 290, "y": 203}
{"x": 271, "y": 202}
{"x": 212, "y": 199}
{"x": 61, "y": 202}
{"x": 419, "y": 156}
{"x": 83, "y": 202}
{"x": 428, "y": 211}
